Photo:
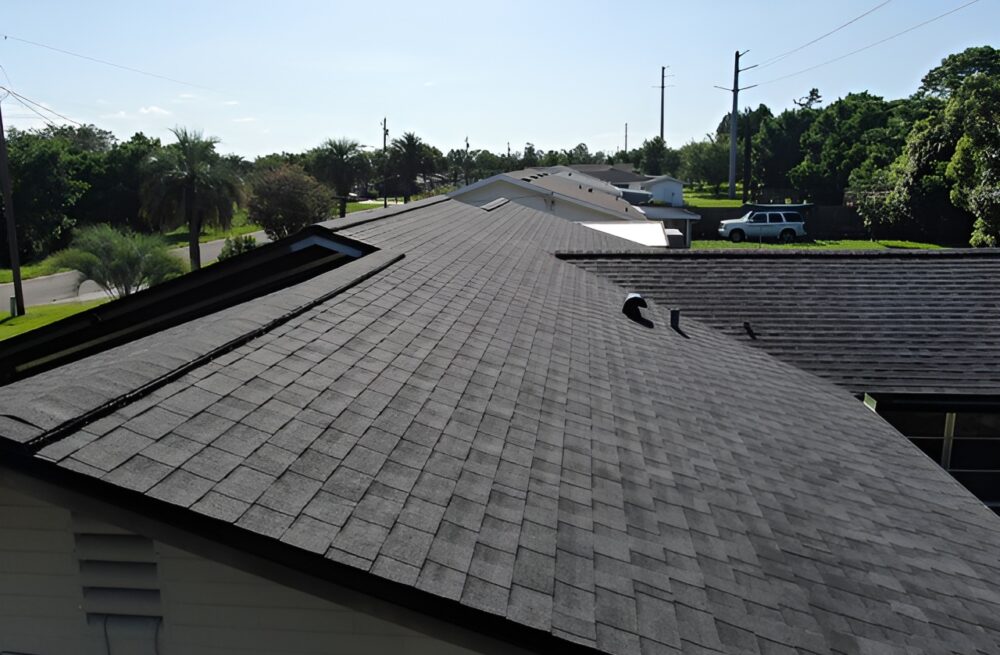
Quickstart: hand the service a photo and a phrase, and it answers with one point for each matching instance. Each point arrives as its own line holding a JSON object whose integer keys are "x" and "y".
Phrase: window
{"x": 758, "y": 218}
{"x": 793, "y": 217}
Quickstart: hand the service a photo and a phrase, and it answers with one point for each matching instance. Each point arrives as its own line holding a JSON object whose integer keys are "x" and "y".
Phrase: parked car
{"x": 784, "y": 225}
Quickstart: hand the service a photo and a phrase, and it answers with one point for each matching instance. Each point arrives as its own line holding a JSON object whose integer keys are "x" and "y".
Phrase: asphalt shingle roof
{"x": 870, "y": 321}
{"x": 479, "y": 422}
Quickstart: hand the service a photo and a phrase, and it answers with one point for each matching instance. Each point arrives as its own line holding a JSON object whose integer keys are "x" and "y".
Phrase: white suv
{"x": 783, "y": 225}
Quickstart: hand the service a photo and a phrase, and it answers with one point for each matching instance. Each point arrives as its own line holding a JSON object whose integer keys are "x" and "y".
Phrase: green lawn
{"x": 28, "y": 271}
{"x": 708, "y": 198}
{"x": 241, "y": 225}
{"x": 842, "y": 244}
{"x": 41, "y": 315}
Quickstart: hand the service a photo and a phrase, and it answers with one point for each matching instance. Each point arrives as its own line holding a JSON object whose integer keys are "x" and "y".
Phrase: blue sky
{"x": 273, "y": 76}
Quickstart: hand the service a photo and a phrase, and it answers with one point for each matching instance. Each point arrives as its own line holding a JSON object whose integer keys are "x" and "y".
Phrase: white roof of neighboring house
{"x": 646, "y": 233}
{"x": 577, "y": 190}
{"x": 661, "y": 213}
{"x": 661, "y": 178}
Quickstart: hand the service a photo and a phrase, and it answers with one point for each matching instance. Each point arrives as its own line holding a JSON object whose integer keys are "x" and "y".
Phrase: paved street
{"x": 65, "y": 287}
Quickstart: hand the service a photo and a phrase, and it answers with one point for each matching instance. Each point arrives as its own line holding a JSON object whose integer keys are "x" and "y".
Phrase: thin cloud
{"x": 153, "y": 109}
{"x": 231, "y": 103}
{"x": 116, "y": 115}
{"x": 245, "y": 119}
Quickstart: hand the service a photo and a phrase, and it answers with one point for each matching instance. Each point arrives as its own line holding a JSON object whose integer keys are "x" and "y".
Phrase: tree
{"x": 120, "y": 262}
{"x": 974, "y": 168}
{"x": 657, "y": 158}
{"x": 843, "y": 136}
{"x": 339, "y": 163}
{"x": 287, "y": 199}
{"x": 46, "y": 184}
{"x": 777, "y": 146}
{"x": 810, "y": 100}
{"x": 114, "y": 179}
{"x": 945, "y": 79}
{"x": 409, "y": 158}
{"x": 705, "y": 161}
{"x": 530, "y": 157}
{"x": 189, "y": 183}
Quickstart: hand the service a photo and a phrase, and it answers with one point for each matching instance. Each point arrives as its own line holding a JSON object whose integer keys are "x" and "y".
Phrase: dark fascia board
{"x": 147, "y": 310}
{"x": 943, "y": 402}
{"x": 277, "y": 561}
{"x": 723, "y": 253}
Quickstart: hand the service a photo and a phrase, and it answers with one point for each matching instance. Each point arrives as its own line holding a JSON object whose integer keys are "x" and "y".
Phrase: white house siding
{"x": 668, "y": 191}
{"x": 207, "y": 607}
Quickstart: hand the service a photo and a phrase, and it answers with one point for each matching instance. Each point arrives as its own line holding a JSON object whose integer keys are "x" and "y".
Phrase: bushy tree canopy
{"x": 287, "y": 199}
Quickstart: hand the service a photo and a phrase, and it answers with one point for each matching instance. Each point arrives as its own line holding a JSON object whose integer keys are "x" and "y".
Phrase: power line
{"x": 872, "y": 45}
{"x": 777, "y": 58}
{"x": 102, "y": 61}
{"x": 20, "y": 97}
{"x": 31, "y": 109}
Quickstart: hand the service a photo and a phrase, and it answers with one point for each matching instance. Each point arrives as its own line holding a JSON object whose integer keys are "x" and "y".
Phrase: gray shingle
{"x": 481, "y": 422}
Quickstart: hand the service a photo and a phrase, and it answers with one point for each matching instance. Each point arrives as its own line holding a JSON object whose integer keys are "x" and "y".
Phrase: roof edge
{"x": 369, "y": 265}
{"x": 276, "y": 560}
{"x": 743, "y": 253}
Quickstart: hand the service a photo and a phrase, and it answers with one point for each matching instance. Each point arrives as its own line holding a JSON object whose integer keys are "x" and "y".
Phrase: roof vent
{"x": 634, "y": 303}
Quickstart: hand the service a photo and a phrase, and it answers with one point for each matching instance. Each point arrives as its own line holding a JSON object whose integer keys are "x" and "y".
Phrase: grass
{"x": 840, "y": 244}
{"x": 28, "y": 271}
{"x": 40, "y": 315}
{"x": 702, "y": 197}
{"x": 241, "y": 225}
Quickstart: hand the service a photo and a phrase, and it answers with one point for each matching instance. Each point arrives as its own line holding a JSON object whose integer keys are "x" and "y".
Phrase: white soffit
{"x": 642, "y": 232}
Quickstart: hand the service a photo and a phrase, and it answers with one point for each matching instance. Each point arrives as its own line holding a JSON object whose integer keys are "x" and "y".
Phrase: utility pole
{"x": 466, "y": 163}
{"x": 663, "y": 86}
{"x": 8, "y": 211}
{"x": 734, "y": 117}
{"x": 626, "y": 138}
{"x": 385, "y": 162}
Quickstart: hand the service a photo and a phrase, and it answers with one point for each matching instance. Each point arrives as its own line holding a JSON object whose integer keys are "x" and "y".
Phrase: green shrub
{"x": 237, "y": 245}
{"x": 120, "y": 262}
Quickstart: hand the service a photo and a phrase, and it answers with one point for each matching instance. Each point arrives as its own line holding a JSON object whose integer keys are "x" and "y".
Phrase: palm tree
{"x": 410, "y": 158}
{"x": 339, "y": 163}
{"x": 189, "y": 183}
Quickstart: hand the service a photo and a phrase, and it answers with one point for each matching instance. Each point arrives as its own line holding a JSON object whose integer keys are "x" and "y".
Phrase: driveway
{"x": 66, "y": 287}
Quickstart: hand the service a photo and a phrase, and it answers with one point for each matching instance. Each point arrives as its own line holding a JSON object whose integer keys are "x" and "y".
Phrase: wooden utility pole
{"x": 734, "y": 118}
{"x": 626, "y": 138}
{"x": 385, "y": 163}
{"x": 8, "y": 212}
{"x": 663, "y": 86}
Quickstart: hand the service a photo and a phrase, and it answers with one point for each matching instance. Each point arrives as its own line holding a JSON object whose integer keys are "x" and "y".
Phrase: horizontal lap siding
{"x": 40, "y": 592}
{"x": 208, "y": 607}
{"x": 218, "y": 609}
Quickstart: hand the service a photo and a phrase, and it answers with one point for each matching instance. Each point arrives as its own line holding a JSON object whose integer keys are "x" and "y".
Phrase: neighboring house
{"x": 449, "y": 438}
{"x": 666, "y": 190}
{"x": 568, "y": 194}
{"x": 661, "y": 198}
{"x": 620, "y": 175}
